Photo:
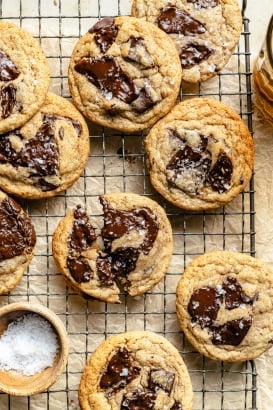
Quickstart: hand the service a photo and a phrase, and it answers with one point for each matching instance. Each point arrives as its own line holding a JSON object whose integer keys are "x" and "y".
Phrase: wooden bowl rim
{"x": 52, "y": 318}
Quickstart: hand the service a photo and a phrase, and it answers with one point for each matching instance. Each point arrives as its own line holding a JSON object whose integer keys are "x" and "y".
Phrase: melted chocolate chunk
{"x": 17, "y": 235}
{"x": 193, "y": 53}
{"x": 118, "y": 223}
{"x": 79, "y": 269}
{"x": 204, "y": 4}
{"x": 189, "y": 158}
{"x": 174, "y": 20}
{"x": 8, "y": 70}
{"x": 144, "y": 102}
{"x": 220, "y": 175}
{"x": 204, "y": 305}
{"x": 105, "y": 33}
{"x": 177, "y": 406}
{"x": 116, "y": 265}
{"x": 161, "y": 379}
{"x": 82, "y": 236}
{"x": 234, "y": 294}
{"x": 139, "y": 400}
{"x": 120, "y": 371}
{"x": 107, "y": 75}
{"x": 8, "y": 98}
{"x": 39, "y": 154}
{"x": 232, "y": 332}
{"x": 83, "y": 233}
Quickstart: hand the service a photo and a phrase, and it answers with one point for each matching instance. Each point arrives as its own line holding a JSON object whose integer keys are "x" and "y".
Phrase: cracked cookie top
{"x": 124, "y": 73}
{"x": 224, "y": 305}
{"x": 132, "y": 247}
{"x": 47, "y": 154}
{"x": 205, "y": 32}
{"x": 136, "y": 370}
{"x": 24, "y": 76}
{"x": 200, "y": 155}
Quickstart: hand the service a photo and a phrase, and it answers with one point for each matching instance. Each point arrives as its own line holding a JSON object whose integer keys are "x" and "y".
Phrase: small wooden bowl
{"x": 18, "y": 384}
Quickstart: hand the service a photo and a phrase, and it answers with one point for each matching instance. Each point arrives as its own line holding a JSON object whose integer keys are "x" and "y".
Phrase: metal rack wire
{"x": 117, "y": 162}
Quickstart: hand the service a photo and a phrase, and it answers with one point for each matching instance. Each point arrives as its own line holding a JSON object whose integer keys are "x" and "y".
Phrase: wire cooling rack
{"x": 117, "y": 163}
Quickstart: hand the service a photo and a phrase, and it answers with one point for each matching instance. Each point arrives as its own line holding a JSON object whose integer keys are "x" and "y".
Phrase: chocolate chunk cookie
{"x": 136, "y": 370}
{"x": 46, "y": 155}
{"x": 200, "y": 155}
{"x": 17, "y": 242}
{"x": 24, "y": 76}
{"x": 205, "y": 32}
{"x": 132, "y": 248}
{"x": 225, "y": 305}
{"x": 124, "y": 74}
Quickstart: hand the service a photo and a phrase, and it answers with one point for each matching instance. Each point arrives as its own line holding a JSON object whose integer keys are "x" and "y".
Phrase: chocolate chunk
{"x": 44, "y": 184}
{"x": 234, "y": 294}
{"x": 177, "y": 406}
{"x": 39, "y": 154}
{"x": 105, "y": 270}
{"x": 189, "y": 158}
{"x": 120, "y": 370}
{"x": 204, "y": 4}
{"x": 144, "y": 102}
{"x": 189, "y": 166}
{"x": 83, "y": 233}
{"x": 138, "y": 53}
{"x": 220, "y": 175}
{"x": 82, "y": 236}
{"x": 203, "y": 306}
{"x": 52, "y": 118}
{"x": 174, "y": 20}
{"x": 139, "y": 400}
{"x": 79, "y": 269}
{"x": 8, "y": 70}
{"x": 118, "y": 223}
{"x": 161, "y": 379}
{"x": 193, "y": 53}
{"x": 232, "y": 332}
{"x": 8, "y": 99}
{"x": 107, "y": 75}
{"x": 105, "y": 33}
{"x": 17, "y": 235}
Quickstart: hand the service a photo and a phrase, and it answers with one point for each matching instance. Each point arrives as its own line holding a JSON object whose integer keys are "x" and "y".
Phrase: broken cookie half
{"x": 132, "y": 247}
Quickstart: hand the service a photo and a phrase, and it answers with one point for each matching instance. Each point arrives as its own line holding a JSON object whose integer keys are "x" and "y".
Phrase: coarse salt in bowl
{"x": 33, "y": 348}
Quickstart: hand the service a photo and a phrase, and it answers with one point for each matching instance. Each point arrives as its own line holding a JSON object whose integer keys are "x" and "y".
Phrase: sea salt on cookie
{"x": 24, "y": 76}
{"x": 46, "y": 155}
{"x": 124, "y": 74}
{"x": 136, "y": 370}
{"x": 205, "y": 32}
{"x": 225, "y": 305}
{"x": 133, "y": 247}
{"x": 200, "y": 155}
{"x": 17, "y": 241}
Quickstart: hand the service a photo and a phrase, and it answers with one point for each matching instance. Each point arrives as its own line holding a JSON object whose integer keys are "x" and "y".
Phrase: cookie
{"x": 200, "y": 155}
{"x": 132, "y": 248}
{"x": 17, "y": 242}
{"x": 24, "y": 76}
{"x": 46, "y": 155}
{"x": 205, "y": 32}
{"x": 135, "y": 370}
{"x": 263, "y": 97}
{"x": 225, "y": 305}
{"x": 124, "y": 74}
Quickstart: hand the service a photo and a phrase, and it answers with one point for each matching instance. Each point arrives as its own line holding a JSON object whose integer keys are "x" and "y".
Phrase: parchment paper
{"x": 118, "y": 164}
